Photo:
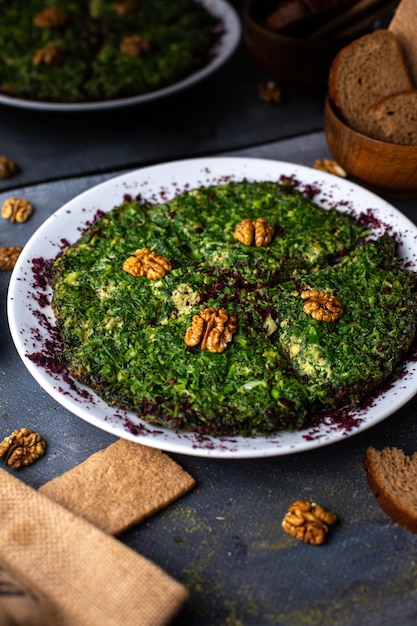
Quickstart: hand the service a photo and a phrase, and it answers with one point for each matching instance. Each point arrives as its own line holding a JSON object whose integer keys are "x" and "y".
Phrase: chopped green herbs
{"x": 124, "y": 336}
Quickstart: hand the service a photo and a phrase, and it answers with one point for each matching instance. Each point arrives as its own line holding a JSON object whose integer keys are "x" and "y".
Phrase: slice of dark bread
{"x": 392, "y": 477}
{"x": 394, "y": 119}
{"x": 362, "y": 73}
{"x": 404, "y": 26}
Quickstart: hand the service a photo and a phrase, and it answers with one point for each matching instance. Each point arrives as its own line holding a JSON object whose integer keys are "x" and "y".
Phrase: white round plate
{"x": 223, "y": 50}
{"x": 31, "y": 321}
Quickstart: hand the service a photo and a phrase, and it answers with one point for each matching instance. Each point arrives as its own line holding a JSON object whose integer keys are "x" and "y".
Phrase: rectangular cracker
{"x": 120, "y": 486}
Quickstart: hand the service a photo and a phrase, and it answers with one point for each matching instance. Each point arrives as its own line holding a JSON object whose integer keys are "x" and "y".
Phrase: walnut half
{"x": 147, "y": 263}
{"x": 270, "y": 92}
{"x": 322, "y": 306}
{"x": 8, "y": 167}
{"x": 135, "y": 46}
{"x": 8, "y": 257}
{"x": 329, "y": 166}
{"x": 308, "y": 522}
{"x": 16, "y": 210}
{"x": 51, "y": 17}
{"x": 259, "y": 232}
{"x": 22, "y": 447}
{"x": 51, "y": 56}
{"x": 213, "y": 329}
{"x": 125, "y": 9}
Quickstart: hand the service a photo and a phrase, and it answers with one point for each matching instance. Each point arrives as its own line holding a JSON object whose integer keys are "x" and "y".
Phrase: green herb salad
{"x": 123, "y": 334}
{"x": 92, "y": 50}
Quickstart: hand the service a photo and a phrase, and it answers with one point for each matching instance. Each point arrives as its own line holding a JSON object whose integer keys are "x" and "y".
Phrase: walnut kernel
{"x": 147, "y": 263}
{"x": 269, "y": 92}
{"x": 213, "y": 329}
{"x": 8, "y": 257}
{"x": 124, "y": 9}
{"x": 195, "y": 331}
{"x": 16, "y": 210}
{"x": 329, "y": 166}
{"x": 322, "y": 306}
{"x": 52, "y": 17}
{"x": 8, "y": 167}
{"x": 308, "y": 522}
{"x": 22, "y": 447}
{"x": 50, "y": 56}
{"x": 259, "y": 232}
{"x": 134, "y": 46}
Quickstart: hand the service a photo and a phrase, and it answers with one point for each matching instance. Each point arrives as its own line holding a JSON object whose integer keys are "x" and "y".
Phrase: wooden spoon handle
{"x": 354, "y": 19}
{"x": 289, "y": 12}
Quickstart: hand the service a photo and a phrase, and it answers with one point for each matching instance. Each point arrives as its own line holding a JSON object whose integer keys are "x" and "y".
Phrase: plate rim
{"x": 170, "y": 440}
{"x": 223, "y": 49}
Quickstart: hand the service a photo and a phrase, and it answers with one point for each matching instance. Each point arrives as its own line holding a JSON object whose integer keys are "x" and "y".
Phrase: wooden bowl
{"x": 386, "y": 168}
{"x": 295, "y": 62}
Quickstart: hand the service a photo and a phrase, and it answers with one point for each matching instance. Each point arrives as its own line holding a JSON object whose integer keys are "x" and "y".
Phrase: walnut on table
{"x": 16, "y": 210}
{"x": 329, "y": 166}
{"x": 270, "y": 92}
{"x": 308, "y": 522}
{"x": 213, "y": 329}
{"x": 259, "y": 232}
{"x": 8, "y": 257}
{"x": 22, "y": 447}
{"x": 8, "y": 167}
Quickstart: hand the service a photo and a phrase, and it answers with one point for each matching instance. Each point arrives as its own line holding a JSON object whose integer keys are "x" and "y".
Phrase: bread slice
{"x": 392, "y": 477}
{"x": 394, "y": 119}
{"x": 362, "y": 73}
{"x": 404, "y": 26}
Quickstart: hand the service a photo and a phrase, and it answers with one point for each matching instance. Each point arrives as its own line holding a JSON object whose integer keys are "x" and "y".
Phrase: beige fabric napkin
{"x": 89, "y": 577}
{"x": 23, "y": 605}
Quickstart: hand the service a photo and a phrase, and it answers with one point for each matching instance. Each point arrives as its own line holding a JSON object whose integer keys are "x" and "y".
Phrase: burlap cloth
{"x": 76, "y": 574}
{"x": 22, "y": 605}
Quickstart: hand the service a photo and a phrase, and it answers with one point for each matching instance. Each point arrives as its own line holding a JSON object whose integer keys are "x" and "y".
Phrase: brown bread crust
{"x": 362, "y": 73}
{"x": 404, "y": 26}
{"x": 395, "y": 118}
{"x": 392, "y": 477}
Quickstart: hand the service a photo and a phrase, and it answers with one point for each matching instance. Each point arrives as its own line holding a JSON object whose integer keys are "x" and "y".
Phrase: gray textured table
{"x": 224, "y": 539}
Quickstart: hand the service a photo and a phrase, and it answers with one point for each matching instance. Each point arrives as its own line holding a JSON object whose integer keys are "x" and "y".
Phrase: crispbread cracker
{"x": 119, "y": 486}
